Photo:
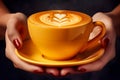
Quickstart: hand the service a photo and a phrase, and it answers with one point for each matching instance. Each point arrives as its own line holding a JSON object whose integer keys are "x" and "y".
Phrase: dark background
{"x": 110, "y": 72}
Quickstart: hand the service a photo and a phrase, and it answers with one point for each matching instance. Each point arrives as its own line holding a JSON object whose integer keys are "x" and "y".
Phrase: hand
{"x": 16, "y": 33}
{"x": 108, "y": 41}
{"x": 17, "y": 29}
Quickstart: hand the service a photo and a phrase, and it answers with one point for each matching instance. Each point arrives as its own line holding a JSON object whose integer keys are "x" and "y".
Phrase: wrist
{"x": 115, "y": 15}
{"x": 3, "y": 22}
{"x": 4, "y": 19}
{"x": 116, "y": 21}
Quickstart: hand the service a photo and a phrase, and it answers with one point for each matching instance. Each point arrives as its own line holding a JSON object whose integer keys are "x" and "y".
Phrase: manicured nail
{"x": 82, "y": 70}
{"x": 36, "y": 71}
{"x": 105, "y": 42}
{"x": 16, "y": 43}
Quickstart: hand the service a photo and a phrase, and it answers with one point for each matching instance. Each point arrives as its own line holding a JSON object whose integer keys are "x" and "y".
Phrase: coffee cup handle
{"x": 94, "y": 41}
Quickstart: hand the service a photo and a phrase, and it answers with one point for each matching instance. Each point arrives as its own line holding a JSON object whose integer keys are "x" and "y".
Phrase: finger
{"x": 53, "y": 71}
{"x": 23, "y": 65}
{"x": 13, "y": 33}
{"x": 27, "y": 67}
{"x": 95, "y": 66}
{"x": 10, "y": 54}
{"x": 99, "y": 64}
{"x": 66, "y": 71}
{"x": 22, "y": 26}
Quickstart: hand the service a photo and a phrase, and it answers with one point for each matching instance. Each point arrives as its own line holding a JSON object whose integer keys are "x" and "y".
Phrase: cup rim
{"x": 86, "y": 19}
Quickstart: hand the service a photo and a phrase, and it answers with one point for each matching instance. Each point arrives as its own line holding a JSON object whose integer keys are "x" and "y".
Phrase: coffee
{"x": 61, "y": 34}
{"x": 61, "y": 18}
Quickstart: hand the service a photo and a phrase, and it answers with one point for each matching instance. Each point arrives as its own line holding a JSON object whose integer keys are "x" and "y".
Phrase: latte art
{"x": 60, "y": 18}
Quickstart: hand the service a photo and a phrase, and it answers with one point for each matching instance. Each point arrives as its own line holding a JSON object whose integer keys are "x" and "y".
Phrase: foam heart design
{"x": 60, "y": 16}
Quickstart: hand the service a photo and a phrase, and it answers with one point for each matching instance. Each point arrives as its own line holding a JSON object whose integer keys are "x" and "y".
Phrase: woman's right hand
{"x": 16, "y": 33}
{"x": 16, "y": 29}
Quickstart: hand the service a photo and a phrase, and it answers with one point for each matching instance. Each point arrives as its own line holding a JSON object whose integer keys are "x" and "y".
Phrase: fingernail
{"x": 82, "y": 70}
{"x": 36, "y": 71}
{"x": 105, "y": 42}
{"x": 16, "y": 43}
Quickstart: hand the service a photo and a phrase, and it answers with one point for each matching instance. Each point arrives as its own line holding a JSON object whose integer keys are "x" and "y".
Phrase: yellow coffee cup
{"x": 61, "y": 34}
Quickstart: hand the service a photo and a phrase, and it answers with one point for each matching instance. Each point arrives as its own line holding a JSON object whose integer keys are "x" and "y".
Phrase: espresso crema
{"x": 60, "y": 18}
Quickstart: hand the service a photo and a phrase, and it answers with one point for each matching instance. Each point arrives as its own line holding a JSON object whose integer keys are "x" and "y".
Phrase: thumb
{"x": 15, "y": 38}
{"x": 14, "y": 34}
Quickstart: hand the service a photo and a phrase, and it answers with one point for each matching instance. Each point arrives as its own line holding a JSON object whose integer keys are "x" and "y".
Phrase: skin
{"x": 14, "y": 27}
{"x": 111, "y": 21}
{"x": 109, "y": 52}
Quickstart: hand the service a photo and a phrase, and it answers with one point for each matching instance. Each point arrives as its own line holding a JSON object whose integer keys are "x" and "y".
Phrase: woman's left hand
{"x": 108, "y": 41}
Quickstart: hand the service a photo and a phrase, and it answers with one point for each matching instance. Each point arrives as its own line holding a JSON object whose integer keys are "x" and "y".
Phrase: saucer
{"x": 31, "y": 54}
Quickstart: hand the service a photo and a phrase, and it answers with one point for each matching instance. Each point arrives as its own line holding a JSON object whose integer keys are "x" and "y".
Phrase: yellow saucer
{"x": 31, "y": 54}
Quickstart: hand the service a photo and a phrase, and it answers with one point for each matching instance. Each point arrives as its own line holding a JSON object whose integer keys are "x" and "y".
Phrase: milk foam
{"x": 60, "y": 19}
